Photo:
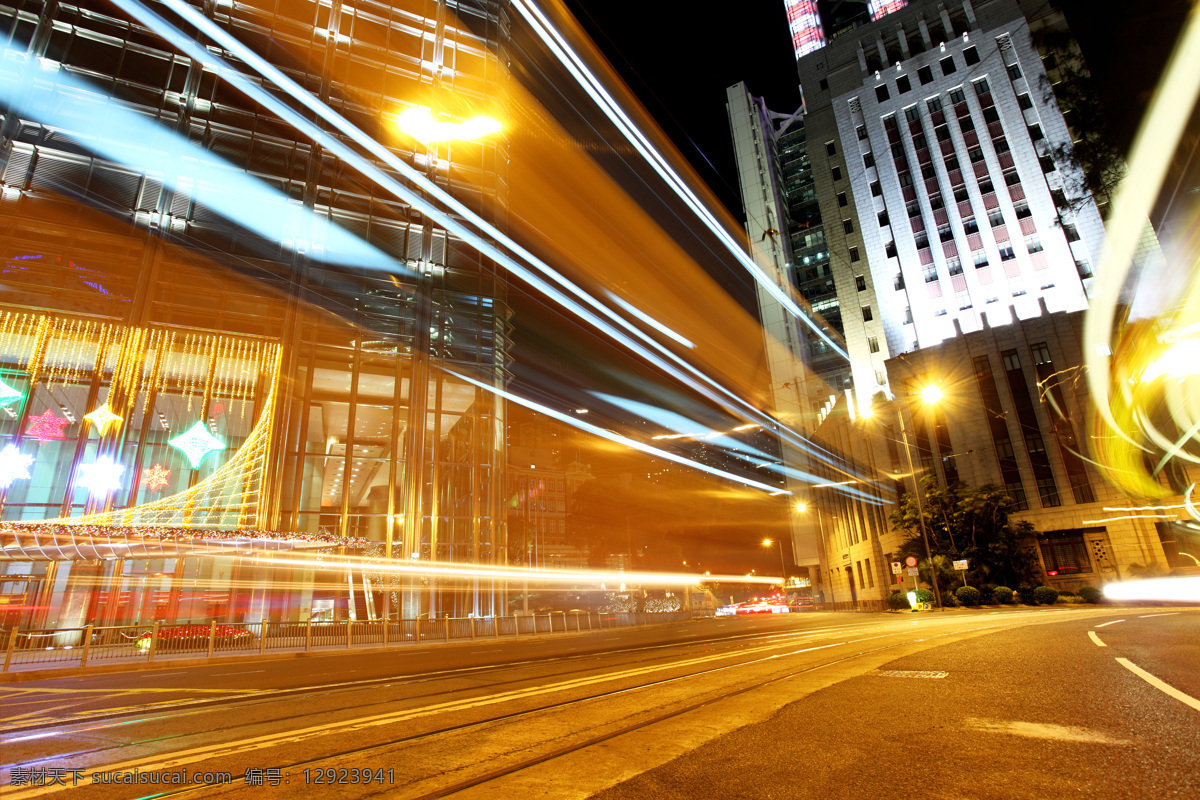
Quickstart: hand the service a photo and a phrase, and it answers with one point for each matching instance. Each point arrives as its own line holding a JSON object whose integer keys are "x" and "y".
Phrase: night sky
{"x": 678, "y": 59}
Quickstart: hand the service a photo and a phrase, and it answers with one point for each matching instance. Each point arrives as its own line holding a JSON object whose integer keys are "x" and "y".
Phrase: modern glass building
{"x": 228, "y": 321}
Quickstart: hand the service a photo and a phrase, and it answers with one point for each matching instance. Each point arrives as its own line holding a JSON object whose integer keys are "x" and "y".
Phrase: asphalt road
{"x": 789, "y": 706}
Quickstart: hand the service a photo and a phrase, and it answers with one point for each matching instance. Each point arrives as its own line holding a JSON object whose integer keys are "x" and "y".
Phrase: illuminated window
{"x": 873, "y": 344}
{"x": 1066, "y": 555}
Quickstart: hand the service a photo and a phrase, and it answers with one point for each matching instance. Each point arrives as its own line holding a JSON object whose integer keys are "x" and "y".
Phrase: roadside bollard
{"x": 349, "y": 632}
{"x": 262, "y": 637}
{"x": 212, "y": 637}
{"x": 385, "y": 630}
{"x": 417, "y": 634}
{"x": 472, "y": 629}
{"x": 12, "y": 645}
{"x": 447, "y": 618}
{"x": 308, "y": 636}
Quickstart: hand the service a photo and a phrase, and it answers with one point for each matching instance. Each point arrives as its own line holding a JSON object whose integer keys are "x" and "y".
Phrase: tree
{"x": 974, "y": 524}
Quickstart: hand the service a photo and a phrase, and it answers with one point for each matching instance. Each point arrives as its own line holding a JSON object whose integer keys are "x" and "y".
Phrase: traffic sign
{"x": 911, "y": 561}
{"x": 960, "y": 565}
{"x": 913, "y": 572}
{"x": 896, "y": 567}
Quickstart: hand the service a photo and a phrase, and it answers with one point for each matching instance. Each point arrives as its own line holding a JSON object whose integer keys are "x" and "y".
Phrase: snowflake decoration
{"x": 156, "y": 477}
{"x": 101, "y": 476}
{"x": 46, "y": 426}
{"x": 13, "y": 465}
{"x": 196, "y": 443}
{"x": 102, "y": 417}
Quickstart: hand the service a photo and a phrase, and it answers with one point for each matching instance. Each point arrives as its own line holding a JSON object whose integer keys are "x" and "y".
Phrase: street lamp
{"x": 782, "y": 564}
{"x": 931, "y": 395}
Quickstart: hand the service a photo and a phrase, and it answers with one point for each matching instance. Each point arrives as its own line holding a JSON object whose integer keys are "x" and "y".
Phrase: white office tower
{"x": 939, "y": 160}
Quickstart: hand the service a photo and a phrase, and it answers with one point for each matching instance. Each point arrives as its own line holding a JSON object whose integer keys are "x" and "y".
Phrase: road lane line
{"x": 1167, "y": 614}
{"x": 1096, "y": 639}
{"x": 1114, "y": 622}
{"x": 1161, "y": 685}
{"x": 248, "y": 672}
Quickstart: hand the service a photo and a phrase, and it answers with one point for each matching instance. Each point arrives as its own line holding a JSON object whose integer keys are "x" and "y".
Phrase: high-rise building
{"x": 221, "y": 315}
{"x": 940, "y": 165}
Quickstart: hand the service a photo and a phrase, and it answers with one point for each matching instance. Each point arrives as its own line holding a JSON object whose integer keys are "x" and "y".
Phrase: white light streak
{"x": 1166, "y": 589}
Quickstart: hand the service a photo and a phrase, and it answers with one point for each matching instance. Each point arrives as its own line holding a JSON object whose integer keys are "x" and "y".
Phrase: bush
{"x": 985, "y": 594}
{"x": 924, "y": 596}
{"x": 1065, "y": 593}
{"x": 1002, "y": 595}
{"x": 1045, "y": 596}
{"x": 969, "y": 595}
{"x": 1070, "y": 599}
{"x": 1091, "y": 594}
{"x": 1025, "y": 595}
{"x": 898, "y": 601}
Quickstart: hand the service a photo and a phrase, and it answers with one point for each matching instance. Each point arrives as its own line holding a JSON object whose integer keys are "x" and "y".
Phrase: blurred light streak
{"x": 60, "y": 100}
{"x": 567, "y": 57}
{"x": 651, "y": 321}
{"x": 1171, "y": 589}
{"x": 1145, "y": 508}
{"x": 450, "y": 569}
{"x": 686, "y": 373}
{"x": 1160, "y": 131}
{"x": 611, "y": 435}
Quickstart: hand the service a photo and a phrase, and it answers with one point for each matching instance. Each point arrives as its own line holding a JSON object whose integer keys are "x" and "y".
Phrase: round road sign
{"x": 911, "y": 561}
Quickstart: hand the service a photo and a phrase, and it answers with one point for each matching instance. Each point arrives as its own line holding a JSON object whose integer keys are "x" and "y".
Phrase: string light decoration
{"x": 155, "y": 477}
{"x": 13, "y": 465}
{"x": 102, "y": 417}
{"x": 8, "y": 394}
{"x": 46, "y": 426}
{"x": 196, "y": 442}
{"x": 101, "y": 477}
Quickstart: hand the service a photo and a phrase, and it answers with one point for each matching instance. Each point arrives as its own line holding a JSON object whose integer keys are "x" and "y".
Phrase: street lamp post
{"x": 937, "y": 595}
{"x": 782, "y": 563}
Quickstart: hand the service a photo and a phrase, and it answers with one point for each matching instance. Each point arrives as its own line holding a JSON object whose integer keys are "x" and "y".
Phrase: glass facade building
{"x": 282, "y": 341}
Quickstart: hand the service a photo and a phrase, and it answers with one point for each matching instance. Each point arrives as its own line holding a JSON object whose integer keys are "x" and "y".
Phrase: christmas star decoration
{"x": 46, "y": 426}
{"x": 13, "y": 464}
{"x": 156, "y": 477}
{"x": 195, "y": 443}
{"x": 101, "y": 476}
{"x": 102, "y": 417}
{"x": 8, "y": 394}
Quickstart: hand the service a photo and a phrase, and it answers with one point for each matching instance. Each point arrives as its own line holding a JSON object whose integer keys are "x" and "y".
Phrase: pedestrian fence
{"x": 147, "y": 642}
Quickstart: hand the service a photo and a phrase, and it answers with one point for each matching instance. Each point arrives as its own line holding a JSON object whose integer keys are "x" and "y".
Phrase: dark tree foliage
{"x": 1097, "y": 158}
{"x": 968, "y": 523}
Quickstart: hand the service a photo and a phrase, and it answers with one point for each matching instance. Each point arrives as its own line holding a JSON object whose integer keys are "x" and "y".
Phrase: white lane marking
{"x": 249, "y": 672}
{"x": 1114, "y": 622}
{"x": 1161, "y": 685}
{"x": 1096, "y": 639}
{"x": 1040, "y": 730}
{"x": 1167, "y": 614}
{"x": 497, "y": 650}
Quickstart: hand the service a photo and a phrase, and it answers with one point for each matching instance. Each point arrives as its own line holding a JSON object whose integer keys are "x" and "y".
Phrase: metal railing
{"x": 145, "y": 643}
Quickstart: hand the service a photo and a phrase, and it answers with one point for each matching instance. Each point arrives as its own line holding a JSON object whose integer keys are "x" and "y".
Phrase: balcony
{"x": 917, "y": 223}
{"x": 971, "y": 138}
{"x": 985, "y": 100}
{"x": 961, "y": 110}
{"x": 965, "y": 210}
{"x": 995, "y": 130}
{"x": 925, "y": 255}
{"x": 959, "y": 282}
{"x": 1012, "y": 268}
{"x": 931, "y": 187}
{"x": 974, "y": 241}
{"x": 909, "y": 192}
{"x": 901, "y": 164}
{"x": 914, "y": 126}
{"x": 935, "y": 289}
{"x": 1038, "y": 260}
{"x": 893, "y": 135}
{"x": 937, "y": 118}
{"x": 947, "y": 147}
{"x": 1017, "y": 192}
{"x": 949, "y": 249}
{"x": 1006, "y": 160}
{"x": 980, "y": 168}
{"x": 940, "y": 217}
{"x": 1027, "y": 226}
{"x": 1000, "y": 232}
{"x": 923, "y": 155}
{"x": 956, "y": 178}
{"x": 990, "y": 202}
{"x": 984, "y": 274}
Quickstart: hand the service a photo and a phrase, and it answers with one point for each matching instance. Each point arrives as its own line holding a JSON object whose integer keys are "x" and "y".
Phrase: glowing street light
{"x": 931, "y": 394}
{"x": 801, "y": 507}
{"x": 420, "y": 124}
